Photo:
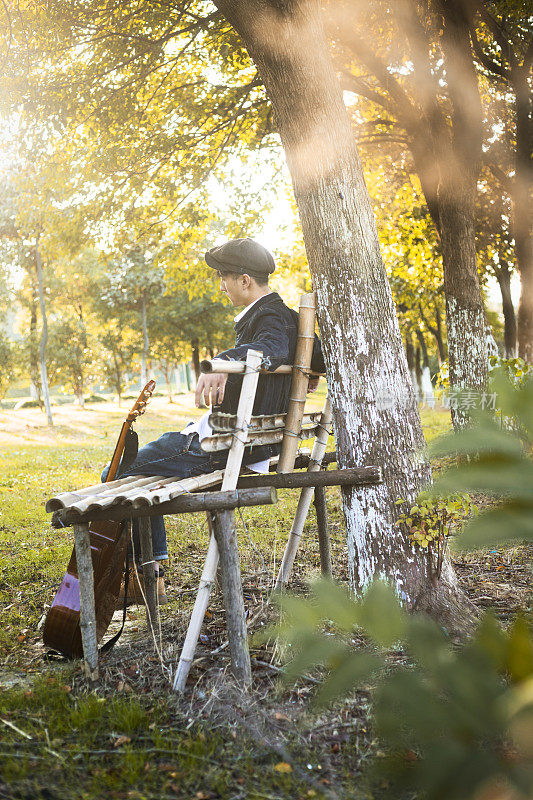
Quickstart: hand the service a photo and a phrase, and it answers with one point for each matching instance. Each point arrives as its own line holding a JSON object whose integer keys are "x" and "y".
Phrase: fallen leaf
{"x": 283, "y": 767}
{"x": 121, "y": 740}
{"x": 279, "y": 716}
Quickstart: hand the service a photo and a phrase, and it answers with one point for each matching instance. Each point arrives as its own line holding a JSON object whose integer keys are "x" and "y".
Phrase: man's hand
{"x": 211, "y": 387}
{"x": 313, "y": 384}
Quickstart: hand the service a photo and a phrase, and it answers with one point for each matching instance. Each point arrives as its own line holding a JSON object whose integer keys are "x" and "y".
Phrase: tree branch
{"x": 401, "y": 100}
{"x": 352, "y": 83}
{"x": 506, "y": 182}
{"x": 499, "y": 35}
{"x": 488, "y": 63}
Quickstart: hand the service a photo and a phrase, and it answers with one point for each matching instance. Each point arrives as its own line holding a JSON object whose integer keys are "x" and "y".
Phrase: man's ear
{"x": 246, "y": 281}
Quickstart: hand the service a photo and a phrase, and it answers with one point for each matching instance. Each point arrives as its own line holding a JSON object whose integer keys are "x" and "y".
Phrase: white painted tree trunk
{"x": 428, "y": 398}
{"x": 376, "y": 418}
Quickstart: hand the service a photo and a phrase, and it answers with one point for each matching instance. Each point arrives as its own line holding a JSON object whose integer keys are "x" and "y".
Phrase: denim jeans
{"x": 172, "y": 455}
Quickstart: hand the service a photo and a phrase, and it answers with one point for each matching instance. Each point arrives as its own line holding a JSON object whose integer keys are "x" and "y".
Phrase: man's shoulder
{"x": 271, "y": 305}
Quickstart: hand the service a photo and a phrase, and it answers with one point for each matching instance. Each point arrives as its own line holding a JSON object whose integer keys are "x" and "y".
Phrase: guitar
{"x": 109, "y": 541}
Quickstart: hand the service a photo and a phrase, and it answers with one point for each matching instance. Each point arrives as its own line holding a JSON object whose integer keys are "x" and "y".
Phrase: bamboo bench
{"x": 218, "y": 494}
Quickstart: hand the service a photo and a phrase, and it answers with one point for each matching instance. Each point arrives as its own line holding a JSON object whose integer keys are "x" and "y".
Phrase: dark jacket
{"x": 271, "y": 327}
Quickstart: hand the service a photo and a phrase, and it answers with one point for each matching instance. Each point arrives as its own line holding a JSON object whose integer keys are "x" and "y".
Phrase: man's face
{"x": 231, "y": 286}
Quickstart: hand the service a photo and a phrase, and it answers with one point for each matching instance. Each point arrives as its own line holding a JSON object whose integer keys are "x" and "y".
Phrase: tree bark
{"x": 375, "y": 413}
{"x": 44, "y": 336}
{"x": 503, "y": 275}
{"x": 196, "y": 359}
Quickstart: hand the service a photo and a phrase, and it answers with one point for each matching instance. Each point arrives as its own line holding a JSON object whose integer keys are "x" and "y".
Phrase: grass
{"x": 128, "y": 738}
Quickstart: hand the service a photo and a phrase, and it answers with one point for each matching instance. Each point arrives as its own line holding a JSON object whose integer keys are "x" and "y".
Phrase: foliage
{"x": 495, "y": 460}
{"x": 456, "y": 722}
{"x": 7, "y": 360}
{"x": 115, "y": 354}
{"x": 432, "y": 520}
{"x": 70, "y": 354}
{"x": 515, "y": 368}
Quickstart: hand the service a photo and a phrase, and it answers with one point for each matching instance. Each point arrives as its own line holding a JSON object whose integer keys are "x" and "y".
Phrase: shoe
{"x": 136, "y": 589}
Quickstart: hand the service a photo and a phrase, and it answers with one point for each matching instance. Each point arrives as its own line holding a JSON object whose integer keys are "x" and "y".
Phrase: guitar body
{"x": 109, "y": 540}
{"x": 62, "y": 625}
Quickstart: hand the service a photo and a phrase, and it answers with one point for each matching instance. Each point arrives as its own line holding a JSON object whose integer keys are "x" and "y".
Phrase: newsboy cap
{"x": 242, "y": 256}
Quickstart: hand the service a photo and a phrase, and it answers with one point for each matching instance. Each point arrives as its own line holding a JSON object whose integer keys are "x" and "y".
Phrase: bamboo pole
{"x": 226, "y": 423}
{"x": 299, "y": 384}
{"x": 66, "y": 498}
{"x": 171, "y": 491}
{"x": 84, "y": 564}
{"x": 148, "y": 571}
{"x": 220, "y": 365}
{"x": 306, "y": 495}
{"x": 233, "y": 466}
{"x": 184, "y": 504}
{"x": 222, "y": 441}
{"x": 110, "y": 496}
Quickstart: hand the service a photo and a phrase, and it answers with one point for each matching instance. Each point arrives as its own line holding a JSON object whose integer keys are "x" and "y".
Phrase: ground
{"x": 131, "y": 737}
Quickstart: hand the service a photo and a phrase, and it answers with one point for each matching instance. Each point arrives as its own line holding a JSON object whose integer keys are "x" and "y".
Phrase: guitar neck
{"x": 119, "y": 449}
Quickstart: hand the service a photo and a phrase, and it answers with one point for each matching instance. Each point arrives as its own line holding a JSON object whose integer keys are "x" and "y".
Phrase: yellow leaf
{"x": 283, "y": 767}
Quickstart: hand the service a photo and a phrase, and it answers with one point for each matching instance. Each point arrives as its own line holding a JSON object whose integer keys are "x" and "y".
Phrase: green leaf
{"x": 381, "y": 615}
{"x": 335, "y": 604}
{"x": 349, "y": 674}
{"x": 520, "y": 652}
{"x": 501, "y": 525}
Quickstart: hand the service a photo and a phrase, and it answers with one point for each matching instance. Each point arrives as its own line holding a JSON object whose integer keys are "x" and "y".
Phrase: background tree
{"x": 502, "y": 39}
{"x": 134, "y": 283}
{"x": 70, "y": 354}
{"x": 421, "y": 82}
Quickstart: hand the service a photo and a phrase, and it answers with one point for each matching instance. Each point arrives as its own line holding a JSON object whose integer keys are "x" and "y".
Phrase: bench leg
{"x": 306, "y": 495}
{"x": 84, "y": 563}
{"x": 323, "y": 530}
{"x": 226, "y": 536}
{"x": 150, "y": 582}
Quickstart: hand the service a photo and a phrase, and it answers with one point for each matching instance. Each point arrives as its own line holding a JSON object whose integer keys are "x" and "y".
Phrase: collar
{"x": 241, "y": 314}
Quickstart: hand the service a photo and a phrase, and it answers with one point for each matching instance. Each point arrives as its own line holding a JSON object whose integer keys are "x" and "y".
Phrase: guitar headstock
{"x": 139, "y": 407}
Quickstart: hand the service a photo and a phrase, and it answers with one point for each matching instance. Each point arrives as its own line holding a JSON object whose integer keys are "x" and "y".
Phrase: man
{"x": 265, "y": 324}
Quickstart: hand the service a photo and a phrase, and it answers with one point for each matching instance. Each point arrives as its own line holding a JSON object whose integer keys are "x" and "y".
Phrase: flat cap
{"x": 243, "y": 256}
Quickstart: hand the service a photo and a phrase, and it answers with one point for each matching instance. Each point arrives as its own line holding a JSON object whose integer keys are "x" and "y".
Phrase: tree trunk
{"x": 522, "y": 208}
{"x": 465, "y": 314}
{"x": 196, "y": 358}
{"x": 436, "y": 331}
{"x": 146, "y": 343}
{"x": 503, "y": 274}
{"x": 426, "y": 385}
{"x": 411, "y": 364}
{"x": 418, "y": 372}
{"x": 168, "y": 381}
{"x": 438, "y": 336}
{"x": 35, "y": 373}
{"x": 44, "y": 336}
{"x": 117, "y": 374}
{"x": 375, "y": 413}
